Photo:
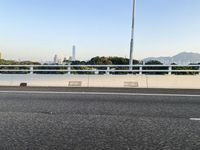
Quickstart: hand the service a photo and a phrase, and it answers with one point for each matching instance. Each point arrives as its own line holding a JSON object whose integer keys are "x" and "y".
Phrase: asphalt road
{"x": 90, "y": 119}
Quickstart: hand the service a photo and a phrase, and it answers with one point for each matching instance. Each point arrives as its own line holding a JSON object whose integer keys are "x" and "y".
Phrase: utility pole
{"x": 132, "y": 36}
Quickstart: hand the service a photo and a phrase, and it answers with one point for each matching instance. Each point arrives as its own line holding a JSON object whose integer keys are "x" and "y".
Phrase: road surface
{"x": 99, "y": 119}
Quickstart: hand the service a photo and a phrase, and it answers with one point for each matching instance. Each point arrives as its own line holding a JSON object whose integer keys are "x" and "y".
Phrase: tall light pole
{"x": 132, "y": 36}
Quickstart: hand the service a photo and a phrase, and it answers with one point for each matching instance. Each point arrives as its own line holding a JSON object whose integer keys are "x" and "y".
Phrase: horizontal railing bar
{"x": 99, "y": 66}
{"x": 100, "y": 70}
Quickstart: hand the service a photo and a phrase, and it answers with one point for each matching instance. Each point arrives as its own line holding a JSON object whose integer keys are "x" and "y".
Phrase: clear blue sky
{"x": 38, "y": 29}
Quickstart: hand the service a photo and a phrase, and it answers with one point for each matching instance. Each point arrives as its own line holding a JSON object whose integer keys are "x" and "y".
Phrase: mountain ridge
{"x": 183, "y": 58}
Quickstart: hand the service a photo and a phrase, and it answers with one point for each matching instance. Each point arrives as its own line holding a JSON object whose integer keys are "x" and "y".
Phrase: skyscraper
{"x": 55, "y": 60}
{"x": 74, "y": 53}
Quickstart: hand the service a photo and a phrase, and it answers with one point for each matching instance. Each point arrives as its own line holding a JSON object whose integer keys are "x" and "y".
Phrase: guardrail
{"x": 100, "y": 69}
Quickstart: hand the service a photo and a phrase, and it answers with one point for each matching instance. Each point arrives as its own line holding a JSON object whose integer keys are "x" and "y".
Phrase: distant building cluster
{"x": 58, "y": 59}
{"x": 64, "y": 60}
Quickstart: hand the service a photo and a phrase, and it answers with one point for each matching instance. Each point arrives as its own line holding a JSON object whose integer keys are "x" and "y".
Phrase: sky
{"x": 38, "y": 29}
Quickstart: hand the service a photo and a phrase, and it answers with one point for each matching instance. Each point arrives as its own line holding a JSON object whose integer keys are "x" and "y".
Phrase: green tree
{"x": 153, "y": 62}
{"x": 99, "y": 61}
{"x": 78, "y": 62}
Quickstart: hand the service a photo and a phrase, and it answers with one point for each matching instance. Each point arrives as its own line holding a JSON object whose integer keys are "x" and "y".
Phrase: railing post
{"x": 130, "y": 67}
{"x": 199, "y": 70}
{"x": 170, "y": 70}
{"x": 96, "y": 72}
{"x": 69, "y": 69}
{"x": 108, "y": 71}
{"x": 140, "y": 70}
{"x": 31, "y": 69}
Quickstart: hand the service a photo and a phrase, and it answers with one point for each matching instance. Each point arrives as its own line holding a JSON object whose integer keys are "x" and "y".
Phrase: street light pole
{"x": 132, "y": 37}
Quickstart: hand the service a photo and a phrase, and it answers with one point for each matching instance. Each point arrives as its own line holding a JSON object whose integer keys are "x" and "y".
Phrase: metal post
{"x": 141, "y": 68}
{"x": 199, "y": 70}
{"x": 69, "y": 69}
{"x": 170, "y": 70}
{"x": 132, "y": 37}
{"x": 31, "y": 69}
{"x": 108, "y": 71}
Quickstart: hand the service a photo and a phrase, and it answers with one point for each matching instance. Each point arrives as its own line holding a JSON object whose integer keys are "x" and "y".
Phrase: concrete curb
{"x": 117, "y": 81}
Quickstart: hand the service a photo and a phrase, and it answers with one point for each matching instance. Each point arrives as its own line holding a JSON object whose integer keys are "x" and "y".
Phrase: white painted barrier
{"x": 117, "y": 81}
{"x": 129, "y": 81}
{"x": 43, "y": 80}
{"x": 174, "y": 81}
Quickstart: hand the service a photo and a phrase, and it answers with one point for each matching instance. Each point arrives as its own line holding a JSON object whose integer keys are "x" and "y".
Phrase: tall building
{"x": 74, "y": 53}
{"x": 55, "y": 59}
{"x": 58, "y": 59}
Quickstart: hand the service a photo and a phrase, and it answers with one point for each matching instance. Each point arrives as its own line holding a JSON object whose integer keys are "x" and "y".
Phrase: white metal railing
{"x": 100, "y": 69}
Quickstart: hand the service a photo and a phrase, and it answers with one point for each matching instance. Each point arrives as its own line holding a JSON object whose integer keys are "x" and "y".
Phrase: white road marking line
{"x": 101, "y": 93}
{"x": 195, "y": 119}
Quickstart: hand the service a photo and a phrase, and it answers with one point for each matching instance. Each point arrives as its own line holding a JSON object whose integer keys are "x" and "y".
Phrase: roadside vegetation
{"x": 12, "y": 62}
{"x": 99, "y": 61}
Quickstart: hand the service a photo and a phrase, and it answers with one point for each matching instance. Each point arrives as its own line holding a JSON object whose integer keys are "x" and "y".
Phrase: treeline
{"x": 93, "y": 61}
{"x": 105, "y": 61}
{"x": 12, "y": 62}
{"x": 178, "y": 68}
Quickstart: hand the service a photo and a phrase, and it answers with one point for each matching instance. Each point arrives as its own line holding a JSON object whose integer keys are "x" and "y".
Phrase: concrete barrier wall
{"x": 134, "y": 81}
{"x": 42, "y": 80}
{"x": 119, "y": 81}
{"x": 174, "y": 81}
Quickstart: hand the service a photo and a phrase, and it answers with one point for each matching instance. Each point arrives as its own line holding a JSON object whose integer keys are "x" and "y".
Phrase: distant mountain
{"x": 183, "y": 58}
